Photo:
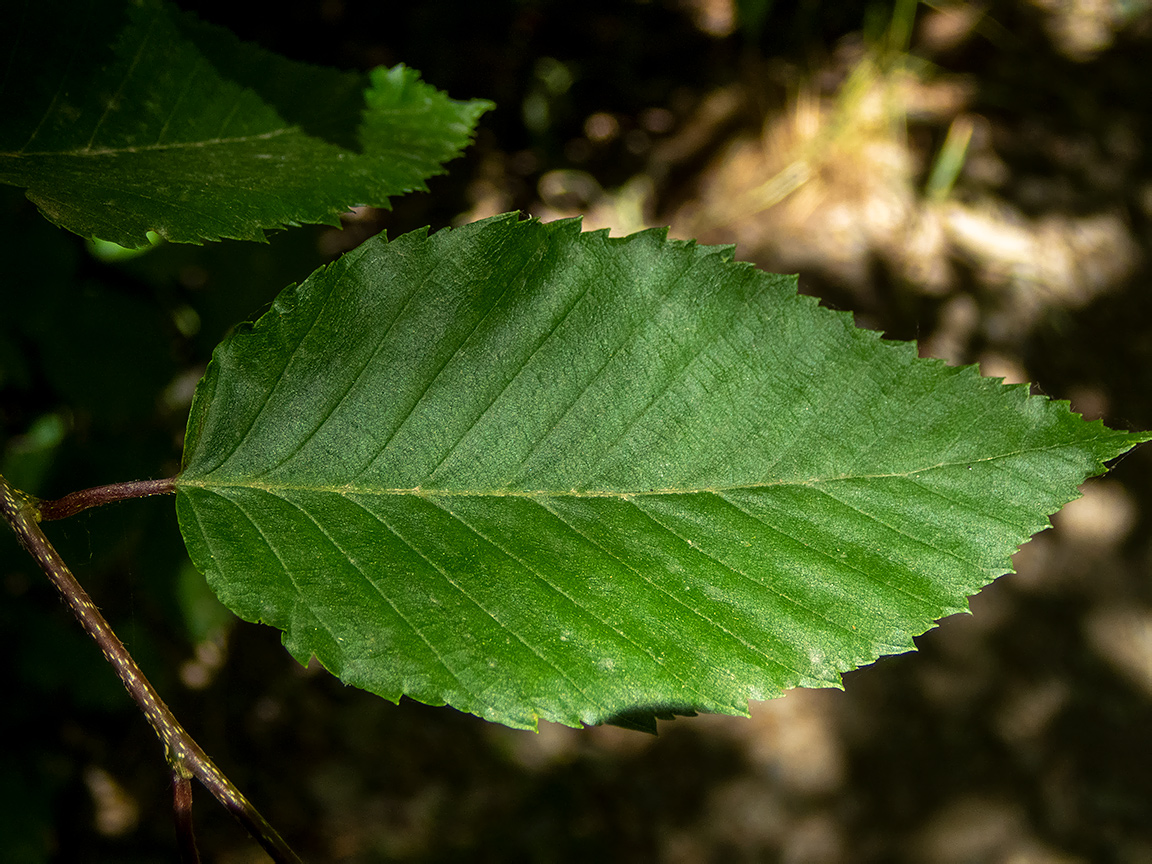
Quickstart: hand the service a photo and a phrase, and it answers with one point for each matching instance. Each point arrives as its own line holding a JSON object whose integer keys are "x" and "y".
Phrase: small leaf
{"x": 125, "y": 118}
{"x": 535, "y": 473}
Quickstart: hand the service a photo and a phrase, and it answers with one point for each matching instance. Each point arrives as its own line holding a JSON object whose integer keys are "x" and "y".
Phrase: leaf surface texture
{"x": 124, "y": 118}
{"x": 537, "y": 473}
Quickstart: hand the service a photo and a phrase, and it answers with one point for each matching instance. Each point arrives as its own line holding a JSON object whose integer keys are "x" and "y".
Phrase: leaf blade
{"x": 552, "y": 474}
{"x": 181, "y": 129}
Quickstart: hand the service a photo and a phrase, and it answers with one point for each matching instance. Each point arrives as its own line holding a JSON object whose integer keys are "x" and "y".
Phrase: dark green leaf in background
{"x": 534, "y": 473}
{"x": 181, "y": 129}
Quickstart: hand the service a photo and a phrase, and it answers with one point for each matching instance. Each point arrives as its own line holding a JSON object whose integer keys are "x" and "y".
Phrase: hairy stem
{"x": 184, "y": 755}
{"x": 76, "y": 501}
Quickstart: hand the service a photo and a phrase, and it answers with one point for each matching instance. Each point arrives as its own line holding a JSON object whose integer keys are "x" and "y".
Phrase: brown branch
{"x": 184, "y": 755}
{"x": 182, "y": 814}
{"x": 74, "y": 502}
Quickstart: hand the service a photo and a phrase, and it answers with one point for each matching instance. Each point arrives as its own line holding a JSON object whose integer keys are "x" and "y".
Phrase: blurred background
{"x": 970, "y": 175}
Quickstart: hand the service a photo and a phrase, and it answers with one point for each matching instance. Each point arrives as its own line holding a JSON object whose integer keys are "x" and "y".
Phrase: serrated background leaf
{"x": 124, "y": 118}
{"x": 534, "y": 473}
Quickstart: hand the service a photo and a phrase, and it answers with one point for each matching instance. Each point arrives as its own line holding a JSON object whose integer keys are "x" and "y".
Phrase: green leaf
{"x": 120, "y": 119}
{"x": 535, "y": 473}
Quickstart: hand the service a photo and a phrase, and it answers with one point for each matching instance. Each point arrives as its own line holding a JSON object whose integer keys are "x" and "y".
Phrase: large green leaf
{"x": 122, "y": 118}
{"x": 535, "y": 473}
